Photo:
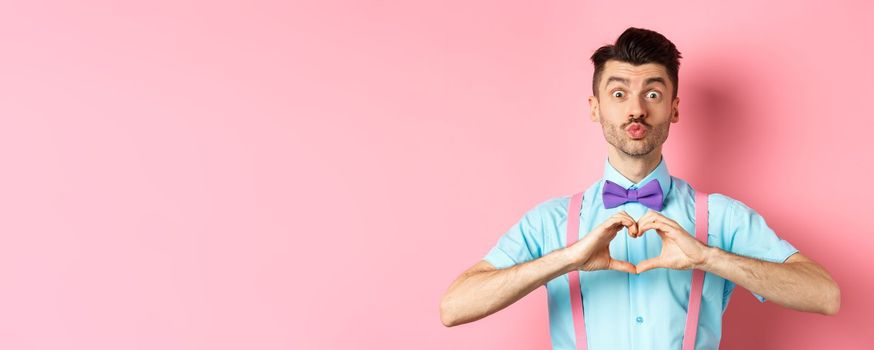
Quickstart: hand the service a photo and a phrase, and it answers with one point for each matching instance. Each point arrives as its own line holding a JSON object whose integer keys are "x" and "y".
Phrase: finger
{"x": 623, "y": 266}
{"x": 649, "y": 264}
{"x": 663, "y": 218}
{"x": 611, "y": 226}
{"x": 647, "y": 217}
{"x": 655, "y": 224}
{"x": 619, "y": 220}
{"x": 632, "y": 229}
{"x": 614, "y": 223}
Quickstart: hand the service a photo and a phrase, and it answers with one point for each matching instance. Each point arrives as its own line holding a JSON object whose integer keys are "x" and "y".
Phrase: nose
{"x": 636, "y": 109}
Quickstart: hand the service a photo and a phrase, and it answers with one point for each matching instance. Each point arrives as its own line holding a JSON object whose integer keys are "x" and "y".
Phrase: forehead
{"x": 636, "y": 75}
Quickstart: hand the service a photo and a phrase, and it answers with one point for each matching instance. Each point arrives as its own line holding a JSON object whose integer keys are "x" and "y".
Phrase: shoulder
{"x": 551, "y": 210}
{"x": 716, "y": 202}
{"x": 551, "y": 206}
{"x": 734, "y": 216}
{"x": 719, "y": 200}
{"x": 728, "y": 205}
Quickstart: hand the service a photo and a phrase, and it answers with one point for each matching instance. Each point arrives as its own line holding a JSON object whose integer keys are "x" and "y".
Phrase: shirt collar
{"x": 660, "y": 173}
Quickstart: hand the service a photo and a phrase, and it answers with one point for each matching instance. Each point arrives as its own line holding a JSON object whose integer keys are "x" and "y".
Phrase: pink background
{"x": 242, "y": 175}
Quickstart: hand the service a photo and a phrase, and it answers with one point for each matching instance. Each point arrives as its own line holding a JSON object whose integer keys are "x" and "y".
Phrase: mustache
{"x": 641, "y": 122}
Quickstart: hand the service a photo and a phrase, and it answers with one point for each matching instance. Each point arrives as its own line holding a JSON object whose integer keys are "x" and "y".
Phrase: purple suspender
{"x": 573, "y": 229}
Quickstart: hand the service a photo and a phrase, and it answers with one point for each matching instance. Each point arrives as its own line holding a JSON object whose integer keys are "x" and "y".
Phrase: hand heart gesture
{"x": 680, "y": 250}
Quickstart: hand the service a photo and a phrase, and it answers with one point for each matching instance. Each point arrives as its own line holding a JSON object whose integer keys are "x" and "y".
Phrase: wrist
{"x": 711, "y": 255}
{"x": 572, "y": 257}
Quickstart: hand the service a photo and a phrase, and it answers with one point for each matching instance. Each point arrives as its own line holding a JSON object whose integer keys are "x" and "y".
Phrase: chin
{"x": 638, "y": 152}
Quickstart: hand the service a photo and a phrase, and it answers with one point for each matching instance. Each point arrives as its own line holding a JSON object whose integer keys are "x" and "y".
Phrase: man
{"x": 636, "y": 262}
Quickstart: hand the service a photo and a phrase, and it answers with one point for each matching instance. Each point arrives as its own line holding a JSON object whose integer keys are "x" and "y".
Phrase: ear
{"x": 675, "y": 110}
{"x": 593, "y": 109}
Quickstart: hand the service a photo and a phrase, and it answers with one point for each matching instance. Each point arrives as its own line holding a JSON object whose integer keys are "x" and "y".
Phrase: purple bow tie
{"x": 650, "y": 195}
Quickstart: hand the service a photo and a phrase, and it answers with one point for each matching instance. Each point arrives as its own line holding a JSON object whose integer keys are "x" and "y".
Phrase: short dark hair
{"x": 638, "y": 46}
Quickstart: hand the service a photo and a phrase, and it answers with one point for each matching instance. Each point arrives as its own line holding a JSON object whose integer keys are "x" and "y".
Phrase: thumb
{"x": 649, "y": 264}
{"x": 623, "y": 266}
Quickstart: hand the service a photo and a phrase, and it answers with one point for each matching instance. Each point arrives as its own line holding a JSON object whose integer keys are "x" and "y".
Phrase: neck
{"x": 634, "y": 168}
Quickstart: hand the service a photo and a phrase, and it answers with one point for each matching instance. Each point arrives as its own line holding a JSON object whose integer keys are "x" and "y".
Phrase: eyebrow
{"x": 647, "y": 82}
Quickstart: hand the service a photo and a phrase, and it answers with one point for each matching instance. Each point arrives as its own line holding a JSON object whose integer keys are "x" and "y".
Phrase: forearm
{"x": 477, "y": 295}
{"x": 802, "y": 286}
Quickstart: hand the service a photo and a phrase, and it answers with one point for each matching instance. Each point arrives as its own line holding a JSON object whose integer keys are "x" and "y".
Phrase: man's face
{"x": 635, "y": 106}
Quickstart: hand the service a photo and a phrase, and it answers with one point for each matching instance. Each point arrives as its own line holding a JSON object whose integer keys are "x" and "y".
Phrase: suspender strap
{"x": 573, "y": 232}
{"x": 573, "y": 228}
{"x": 697, "y": 275}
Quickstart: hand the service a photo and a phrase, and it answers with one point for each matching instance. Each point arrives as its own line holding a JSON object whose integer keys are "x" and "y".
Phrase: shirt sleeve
{"x": 521, "y": 243}
{"x": 751, "y": 237}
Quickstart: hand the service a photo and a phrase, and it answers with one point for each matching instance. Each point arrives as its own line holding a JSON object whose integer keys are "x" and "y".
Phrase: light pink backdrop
{"x": 266, "y": 175}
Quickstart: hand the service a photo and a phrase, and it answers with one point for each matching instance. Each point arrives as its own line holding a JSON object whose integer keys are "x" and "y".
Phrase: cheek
{"x": 667, "y": 112}
{"x": 611, "y": 112}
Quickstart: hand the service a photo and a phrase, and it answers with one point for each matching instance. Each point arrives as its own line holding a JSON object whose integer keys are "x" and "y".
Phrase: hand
{"x": 593, "y": 251}
{"x": 680, "y": 250}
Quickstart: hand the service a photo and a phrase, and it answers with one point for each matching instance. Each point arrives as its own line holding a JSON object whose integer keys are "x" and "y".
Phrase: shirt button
{"x": 639, "y": 319}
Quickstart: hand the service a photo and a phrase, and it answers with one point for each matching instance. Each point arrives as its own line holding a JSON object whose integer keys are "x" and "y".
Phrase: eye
{"x": 653, "y": 94}
{"x": 618, "y": 94}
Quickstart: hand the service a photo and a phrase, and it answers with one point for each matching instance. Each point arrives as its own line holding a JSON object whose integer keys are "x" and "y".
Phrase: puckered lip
{"x": 633, "y": 124}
